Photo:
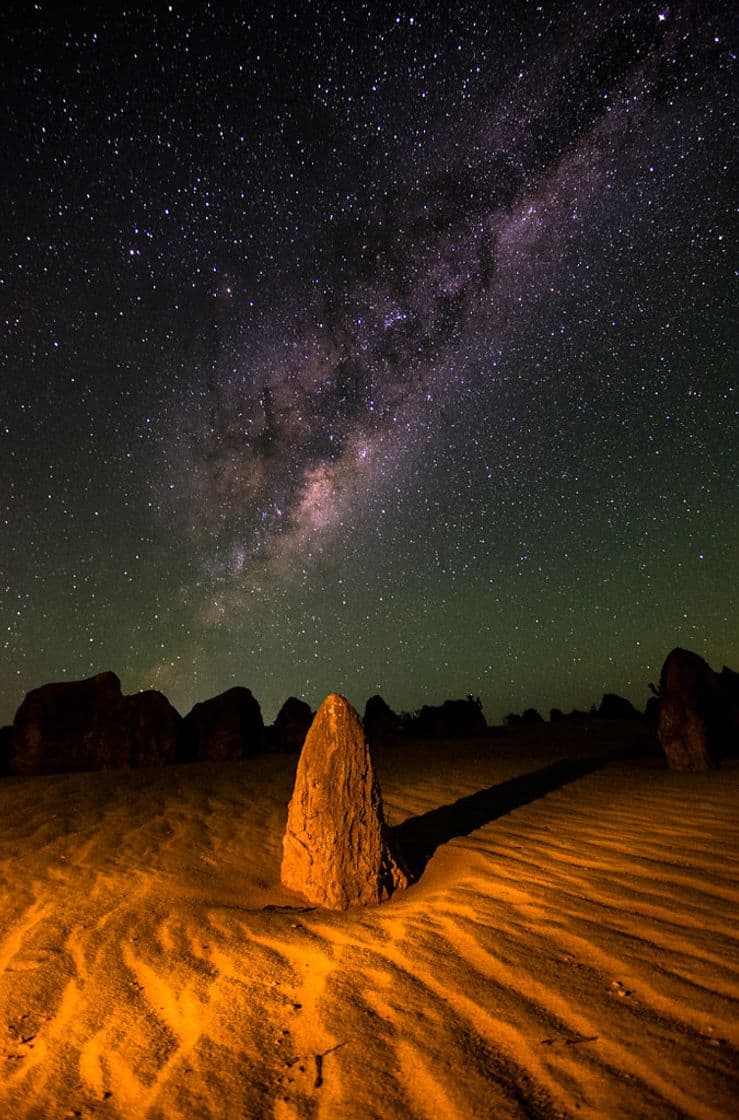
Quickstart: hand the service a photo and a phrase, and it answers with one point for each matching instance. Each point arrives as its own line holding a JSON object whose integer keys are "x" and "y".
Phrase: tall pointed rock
{"x": 336, "y": 848}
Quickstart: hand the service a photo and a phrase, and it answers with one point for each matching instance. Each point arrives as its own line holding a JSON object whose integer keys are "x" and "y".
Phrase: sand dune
{"x": 575, "y": 955}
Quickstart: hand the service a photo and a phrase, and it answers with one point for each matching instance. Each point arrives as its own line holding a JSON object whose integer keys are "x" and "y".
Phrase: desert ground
{"x": 569, "y": 949}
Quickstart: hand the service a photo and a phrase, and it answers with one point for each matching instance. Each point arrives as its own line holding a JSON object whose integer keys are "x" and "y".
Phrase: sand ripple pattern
{"x": 574, "y": 957}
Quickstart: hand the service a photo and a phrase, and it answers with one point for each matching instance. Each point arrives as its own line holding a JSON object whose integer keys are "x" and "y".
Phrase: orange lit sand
{"x": 573, "y": 957}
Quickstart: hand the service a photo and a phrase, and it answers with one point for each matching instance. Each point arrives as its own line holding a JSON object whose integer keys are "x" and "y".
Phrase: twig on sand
{"x": 319, "y": 1064}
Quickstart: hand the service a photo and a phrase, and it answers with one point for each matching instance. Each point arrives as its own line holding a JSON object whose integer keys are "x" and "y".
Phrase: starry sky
{"x": 367, "y": 347}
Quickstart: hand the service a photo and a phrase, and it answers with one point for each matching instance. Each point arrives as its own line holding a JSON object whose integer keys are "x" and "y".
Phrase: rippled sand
{"x": 575, "y": 956}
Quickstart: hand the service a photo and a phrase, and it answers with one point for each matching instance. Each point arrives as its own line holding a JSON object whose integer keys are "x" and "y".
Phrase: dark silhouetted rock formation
{"x": 336, "y": 848}
{"x": 729, "y": 682}
{"x": 226, "y": 727}
{"x": 154, "y": 729}
{"x": 91, "y": 725}
{"x": 576, "y": 715}
{"x": 5, "y": 737}
{"x": 381, "y": 723}
{"x": 288, "y": 732}
{"x": 698, "y": 718}
{"x": 613, "y": 706}
{"x": 71, "y": 725}
{"x": 454, "y": 719}
{"x": 651, "y": 709}
{"x": 530, "y": 715}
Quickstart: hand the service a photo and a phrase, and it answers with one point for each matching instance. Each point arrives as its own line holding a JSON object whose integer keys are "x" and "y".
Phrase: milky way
{"x": 369, "y": 349}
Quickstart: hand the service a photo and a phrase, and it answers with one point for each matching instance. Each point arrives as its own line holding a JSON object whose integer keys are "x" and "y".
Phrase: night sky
{"x": 367, "y": 348}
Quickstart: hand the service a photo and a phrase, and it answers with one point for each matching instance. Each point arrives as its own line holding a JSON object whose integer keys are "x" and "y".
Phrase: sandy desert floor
{"x": 573, "y": 956}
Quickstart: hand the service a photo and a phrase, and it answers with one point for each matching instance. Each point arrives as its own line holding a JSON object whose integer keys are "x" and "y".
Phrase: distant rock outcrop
{"x": 381, "y": 723}
{"x": 529, "y": 716}
{"x": 154, "y": 729}
{"x": 71, "y": 725}
{"x": 292, "y": 723}
{"x": 336, "y": 848}
{"x": 651, "y": 709}
{"x": 729, "y": 681}
{"x": 91, "y": 725}
{"x": 226, "y": 727}
{"x": 5, "y": 738}
{"x": 454, "y": 719}
{"x": 698, "y": 716}
{"x": 613, "y": 706}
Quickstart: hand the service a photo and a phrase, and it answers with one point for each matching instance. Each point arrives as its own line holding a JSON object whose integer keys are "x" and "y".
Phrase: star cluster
{"x": 366, "y": 348}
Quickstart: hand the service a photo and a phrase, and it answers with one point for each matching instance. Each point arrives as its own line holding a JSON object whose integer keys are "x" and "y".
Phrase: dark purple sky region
{"x": 367, "y": 348}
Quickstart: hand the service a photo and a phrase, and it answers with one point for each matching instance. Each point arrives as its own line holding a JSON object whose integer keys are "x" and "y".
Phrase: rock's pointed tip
{"x": 334, "y": 698}
{"x": 334, "y": 712}
{"x": 335, "y": 702}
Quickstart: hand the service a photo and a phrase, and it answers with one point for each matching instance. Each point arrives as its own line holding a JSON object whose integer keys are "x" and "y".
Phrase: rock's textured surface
{"x": 336, "y": 848}
{"x": 698, "y": 718}
{"x": 291, "y": 726}
{"x": 226, "y": 727}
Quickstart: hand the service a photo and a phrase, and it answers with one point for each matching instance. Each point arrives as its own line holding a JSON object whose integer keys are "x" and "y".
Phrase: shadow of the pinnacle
{"x": 417, "y": 838}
